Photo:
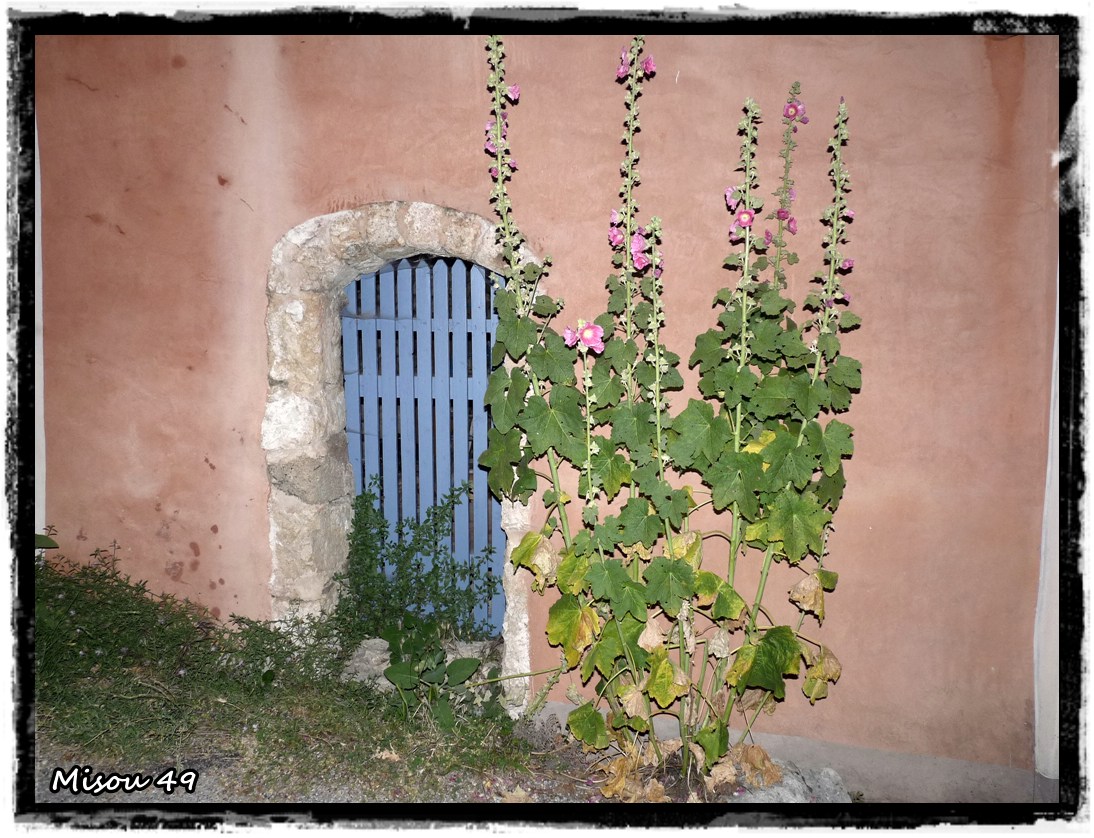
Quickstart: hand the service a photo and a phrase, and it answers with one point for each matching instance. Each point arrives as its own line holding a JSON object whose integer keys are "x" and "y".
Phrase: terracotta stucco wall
{"x": 172, "y": 165}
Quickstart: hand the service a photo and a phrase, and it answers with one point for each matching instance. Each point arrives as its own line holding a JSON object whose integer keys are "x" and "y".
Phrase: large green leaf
{"x": 588, "y": 726}
{"x": 618, "y": 639}
{"x": 701, "y": 436}
{"x": 502, "y": 455}
{"x": 831, "y": 443}
{"x": 714, "y": 740}
{"x": 788, "y": 462}
{"x": 637, "y": 524}
{"x": 668, "y": 583}
{"x": 611, "y": 470}
{"x": 461, "y": 669}
{"x": 552, "y": 360}
{"x": 558, "y": 424}
{"x": 505, "y": 395}
{"x": 798, "y": 521}
{"x": 766, "y": 664}
{"x": 516, "y": 335}
{"x": 736, "y": 477}
{"x": 611, "y": 582}
{"x": 631, "y": 425}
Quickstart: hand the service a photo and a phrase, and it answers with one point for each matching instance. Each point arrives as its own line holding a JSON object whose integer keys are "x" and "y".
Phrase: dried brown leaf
{"x": 721, "y": 774}
{"x": 517, "y": 795}
{"x": 808, "y": 595}
{"x": 654, "y": 792}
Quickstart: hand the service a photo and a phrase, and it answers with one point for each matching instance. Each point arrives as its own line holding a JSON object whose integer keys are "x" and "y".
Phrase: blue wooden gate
{"x": 416, "y": 341}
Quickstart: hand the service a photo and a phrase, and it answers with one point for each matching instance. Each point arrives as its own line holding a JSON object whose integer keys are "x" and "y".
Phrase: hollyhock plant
{"x": 634, "y": 604}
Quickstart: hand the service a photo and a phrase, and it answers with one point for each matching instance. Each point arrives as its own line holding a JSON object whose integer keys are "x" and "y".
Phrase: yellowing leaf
{"x": 517, "y": 795}
{"x": 827, "y": 668}
{"x": 758, "y": 445}
{"x": 687, "y": 546}
{"x": 633, "y": 700}
{"x": 651, "y": 637}
{"x": 808, "y": 595}
{"x": 756, "y": 765}
{"x": 655, "y": 792}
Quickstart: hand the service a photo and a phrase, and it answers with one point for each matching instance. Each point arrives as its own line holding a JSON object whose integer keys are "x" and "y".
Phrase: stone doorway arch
{"x": 303, "y": 430}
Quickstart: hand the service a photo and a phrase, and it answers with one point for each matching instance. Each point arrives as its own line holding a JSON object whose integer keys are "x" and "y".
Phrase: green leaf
{"x": 572, "y": 571}
{"x": 545, "y": 306}
{"x": 502, "y": 455}
{"x": 827, "y": 578}
{"x": 637, "y": 524}
{"x": 44, "y": 542}
{"x": 736, "y": 477}
{"x": 846, "y": 372}
{"x": 848, "y": 320}
{"x": 558, "y": 425}
{"x": 572, "y": 626}
{"x": 788, "y": 462}
{"x": 829, "y": 490}
{"x": 505, "y": 394}
{"x": 552, "y": 360}
{"x": 777, "y": 655}
{"x": 798, "y": 521}
{"x": 461, "y": 669}
{"x": 709, "y": 350}
{"x": 714, "y": 740}
{"x": 773, "y": 303}
{"x": 516, "y": 335}
{"x": 588, "y": 726}
{"x": 402, "y": 675}
{"x": 702, "y": 436}
{"x": 610, "y": 582}
{"x": 605, "y": 389}
{"x": 772, "y": 397}
{"x": 619, "y": 638}
{"x": 631, "y": 425}
{"x": 668, "y": 583}
{"x": 610, "y": 469}
{"x": 831, "y": 443}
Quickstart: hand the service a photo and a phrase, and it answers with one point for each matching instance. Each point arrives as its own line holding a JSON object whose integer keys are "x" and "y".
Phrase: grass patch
{"x": 138, "y": 678}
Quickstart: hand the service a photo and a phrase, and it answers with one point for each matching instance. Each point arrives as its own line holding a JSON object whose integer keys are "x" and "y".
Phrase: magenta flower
{"x": 767, "y": 238}
{"x": 847, "y": 264}
{"x": 849, "y": 213}
{"x": 589, "y": 335}
{"x": 782, "y": 214}
{"x": 615, "y": 217}
{"x": 745, "y": 218}
{"x": 490, "y": 147}
{"x": 793, "y": 194}
{"x": 641, "y": 260}
{"x": 792, "y": 225}
{"x": 615, "y": 236}
{"x": 512, "y": 164}
{"x": 638, "y": 244}
{"x": 648, "y": 67}
{"x": 731, "y": 202}
{"x": 493, "y": 171}
{"x": 513, "y": 93}
{"x": 793, "y": 110}
{"x": 623, "y": 70}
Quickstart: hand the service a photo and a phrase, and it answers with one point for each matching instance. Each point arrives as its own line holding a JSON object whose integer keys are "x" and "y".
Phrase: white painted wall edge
{"x": 39, "y": 375}
{"x": 1046, "y": 641}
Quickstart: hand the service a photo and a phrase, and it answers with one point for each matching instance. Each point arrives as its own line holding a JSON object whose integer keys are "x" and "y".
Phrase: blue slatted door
{"x": 416, "y": 340}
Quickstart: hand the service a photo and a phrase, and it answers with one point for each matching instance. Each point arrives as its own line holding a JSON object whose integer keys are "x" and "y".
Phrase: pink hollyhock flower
{"x": 847, "y": 264}
{"x": 848, "y": 213}
{"x": 493, "y": 171}
{"x": 648, "y": 67}
{"x": 793, "y": 193}
{"x": 490, "y": 147}
{"x": 615, "y": 217}
{"x": 794, "y": 110}
{"x": 513, "y": 93}
{"x": 730, "y": 201}
{"x": 622, "y": 72}
{"x": 782, "y": 214}
{"x": 641, "y": 260}
{"x": 745, "y": 218}
{"x": 768, "y": 237}
{"x": 589, "y": 335}
{"x": 638, "y": 244}
{"x": 512, "y": 164}
{"x": 615, "y": 236}
{"x": 792, "y": 225}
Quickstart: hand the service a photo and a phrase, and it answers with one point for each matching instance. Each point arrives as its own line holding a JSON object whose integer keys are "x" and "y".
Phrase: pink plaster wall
{"x": 171, "y": 166}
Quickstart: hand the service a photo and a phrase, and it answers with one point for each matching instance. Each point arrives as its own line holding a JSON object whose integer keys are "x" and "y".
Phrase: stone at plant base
{"x": 798, "y": 785}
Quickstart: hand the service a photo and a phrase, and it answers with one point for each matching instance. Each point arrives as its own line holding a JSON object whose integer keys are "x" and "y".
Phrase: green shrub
{"x": 410, "y": 568}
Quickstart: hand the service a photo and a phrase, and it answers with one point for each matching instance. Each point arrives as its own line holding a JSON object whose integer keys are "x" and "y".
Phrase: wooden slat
{"x": 351, "y": 375}
{"x": 408, "y": 439}
{"x": 423, "y": 385}
{"x": 442, "y": 381}
{"x": 386, "y": 392}
{"x": 461, "y": 531}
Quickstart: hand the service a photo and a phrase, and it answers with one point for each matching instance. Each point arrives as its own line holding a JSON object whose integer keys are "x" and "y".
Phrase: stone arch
{"x": 303, "y": 431}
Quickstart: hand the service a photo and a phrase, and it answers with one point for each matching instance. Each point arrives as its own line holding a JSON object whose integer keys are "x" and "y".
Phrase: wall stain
{"x": 233, "y": 113}
{"x": 119, "y": 229}
{"x": 174, "y": 570}
{"x": 84, "y": 83}
{"x": 215, "y": 612}
{"x": 223, "y": 181}
{"x": 214, "y": 529}
{"x": 212, "y": 467}
{"x": 195, "y": 549}
{"x": 178, "y": 62}
{"x": 81, "y": 535}
{"x": 221, "y": 580}
{"x": 95, "y": 217}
